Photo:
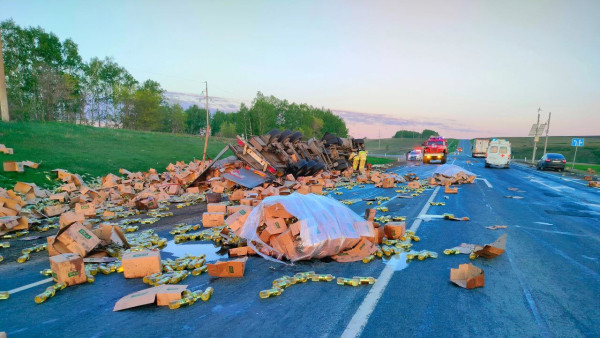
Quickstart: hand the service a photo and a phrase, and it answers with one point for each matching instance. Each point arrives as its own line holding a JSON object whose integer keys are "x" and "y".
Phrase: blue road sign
{"x": 577, "y": 142}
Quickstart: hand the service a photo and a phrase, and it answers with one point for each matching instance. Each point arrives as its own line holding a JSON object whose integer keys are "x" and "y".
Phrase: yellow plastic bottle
{"x": 205, "y": 296}
{"x": 270, "y": 293}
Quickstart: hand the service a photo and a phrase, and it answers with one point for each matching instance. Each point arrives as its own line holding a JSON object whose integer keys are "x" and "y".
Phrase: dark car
{"x": 552, "y": 161}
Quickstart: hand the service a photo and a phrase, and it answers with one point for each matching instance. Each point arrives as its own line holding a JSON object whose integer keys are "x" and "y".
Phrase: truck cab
{"x": 498, "y": 154}
{"x": 435, "y": 149}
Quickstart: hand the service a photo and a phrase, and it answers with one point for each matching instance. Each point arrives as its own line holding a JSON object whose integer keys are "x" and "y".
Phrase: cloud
{"x": 356, "y": 120}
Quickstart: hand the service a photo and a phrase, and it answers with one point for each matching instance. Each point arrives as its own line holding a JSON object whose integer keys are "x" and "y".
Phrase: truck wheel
{"x": 443, "y": 161}
{"x": 487, "y": 165}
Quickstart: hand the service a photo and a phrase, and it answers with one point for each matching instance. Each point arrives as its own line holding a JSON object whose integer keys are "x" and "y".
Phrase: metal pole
{"x": 574, "y": 157}
{"x": 537, "y": 126}
{"x": 207, "y": 128}
{"x": 547, "y": 130}
{"x": 3, "y": 100}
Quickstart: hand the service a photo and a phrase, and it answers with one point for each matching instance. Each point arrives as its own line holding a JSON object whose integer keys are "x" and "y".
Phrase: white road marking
{"x": 559, "y": 189}
{"x": 486, "y": 182}
{"x": 538, "y": 172}
{"x": 29, "y": 286}
{"x": 361, "y": 317}
{"x": 544, "y": 223}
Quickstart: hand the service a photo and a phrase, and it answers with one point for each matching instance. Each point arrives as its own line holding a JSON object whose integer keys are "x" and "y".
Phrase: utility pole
{"x": 3, "y": 100}
{"x": 547, "y": 130}
{"x": 207, "y": 127}
{"x": 536, "y": 138}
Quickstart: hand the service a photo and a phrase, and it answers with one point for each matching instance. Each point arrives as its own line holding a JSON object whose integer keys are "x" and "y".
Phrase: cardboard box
{"x": 111, "y": 234}
{"x": 232, "y": 209}
{"x": 232, "y": 268}
{"x": 140, "y": 264}
{"x": 370, "y": 214}
{"x": 236, "y": 195}
{"x": 295, "y": 228}
{"x": 162, "y": 295}
{"x": 241, "y": 251}
{"x": 414, "y": 185}
{"x": 69, "y": 218}
{"x": 216, "y": 207}
{"x": 276, "y": 226}
{"x": 303, "y": 189}
{"x": 88, "y": 210}
{"x": 388, "y": 182}
{"x": 363, "y": 249}
{"x": 467, "y": 276}
{"x": 249, "y": 201}
{"x": 492, "y": 250}
{"x": 61, "y": 197}
{"x": 14, "y": 166}
{"x": 68, "y": 187}
{"x": 213, "y": 197}
{"x": 213, "y": 219}
{"x": 316, "y": 189}
{"x": 146, "y": 203}
{"x": 68, "y": 268}
{"x": 276, "y": 211}
{"x": 450, "y": 190}
{"x": 54, "y": 247}
{"x": 236, "y": 220}
{"x": 77, "y": 239}
{"x": 394, "y": 230}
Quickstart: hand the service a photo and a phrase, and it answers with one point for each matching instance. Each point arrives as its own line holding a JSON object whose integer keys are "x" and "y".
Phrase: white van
{"x": 498, "y": 154}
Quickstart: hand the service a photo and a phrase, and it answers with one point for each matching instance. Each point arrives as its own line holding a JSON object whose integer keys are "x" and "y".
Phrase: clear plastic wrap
{"x": 326, "y": 227}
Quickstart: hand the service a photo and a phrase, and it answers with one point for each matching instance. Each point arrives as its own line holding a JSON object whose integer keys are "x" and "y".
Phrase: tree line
{"x": 47, "y": 80}
{"x": 425, "y": 134}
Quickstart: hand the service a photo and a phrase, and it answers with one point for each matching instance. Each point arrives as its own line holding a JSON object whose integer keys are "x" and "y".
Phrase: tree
{"x": 227, "y": 130}
{"x": 195, "y": 119}
{"x": 428, "y": 132}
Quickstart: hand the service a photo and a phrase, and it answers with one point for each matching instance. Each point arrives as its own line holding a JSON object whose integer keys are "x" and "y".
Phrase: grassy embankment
{"x": 91, "y": 151}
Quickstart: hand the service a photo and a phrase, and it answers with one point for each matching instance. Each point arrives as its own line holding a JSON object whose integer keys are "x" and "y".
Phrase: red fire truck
{"x": 435, "y": 149}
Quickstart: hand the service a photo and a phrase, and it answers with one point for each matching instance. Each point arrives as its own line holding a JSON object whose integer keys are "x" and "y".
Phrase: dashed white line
{"x": 361, "y": 317}
{"x": 486, "y": 182}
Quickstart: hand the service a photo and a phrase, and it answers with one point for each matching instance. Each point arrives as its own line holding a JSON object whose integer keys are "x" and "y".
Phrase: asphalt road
{"x": 546, "y": 284}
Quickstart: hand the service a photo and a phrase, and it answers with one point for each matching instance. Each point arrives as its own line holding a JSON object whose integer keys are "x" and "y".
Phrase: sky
{"x": 463, "y": 68}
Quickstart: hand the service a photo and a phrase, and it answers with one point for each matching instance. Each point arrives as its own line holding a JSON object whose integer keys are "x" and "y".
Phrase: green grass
{"x": 584, "y": 167}
{"x": 399, "y": 146}
{"x": 590, "y": 153}
{"x": 93, "y": 152}
{"x": 392, "y": 146}
{"x": 380, "y": 160}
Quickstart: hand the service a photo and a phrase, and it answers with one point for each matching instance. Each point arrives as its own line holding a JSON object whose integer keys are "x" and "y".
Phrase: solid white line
{"x": 29, "y": 286}
{"x": 486, "y": 182}
{"x": 361, "y": 316}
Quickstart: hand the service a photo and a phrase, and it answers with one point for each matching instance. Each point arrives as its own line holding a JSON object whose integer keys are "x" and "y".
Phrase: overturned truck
{"x": 285, "y": 152}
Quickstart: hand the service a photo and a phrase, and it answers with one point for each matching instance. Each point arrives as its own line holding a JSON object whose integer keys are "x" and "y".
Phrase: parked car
{"x": 552, "y": 161}
{"x": 415, "y": 155}
{"x": 498, "y": 154}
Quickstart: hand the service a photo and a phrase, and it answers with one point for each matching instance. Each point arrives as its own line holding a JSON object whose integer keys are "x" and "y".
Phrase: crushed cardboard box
{"x": 160, "y": 295}
{"x": 467, "y": 276}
